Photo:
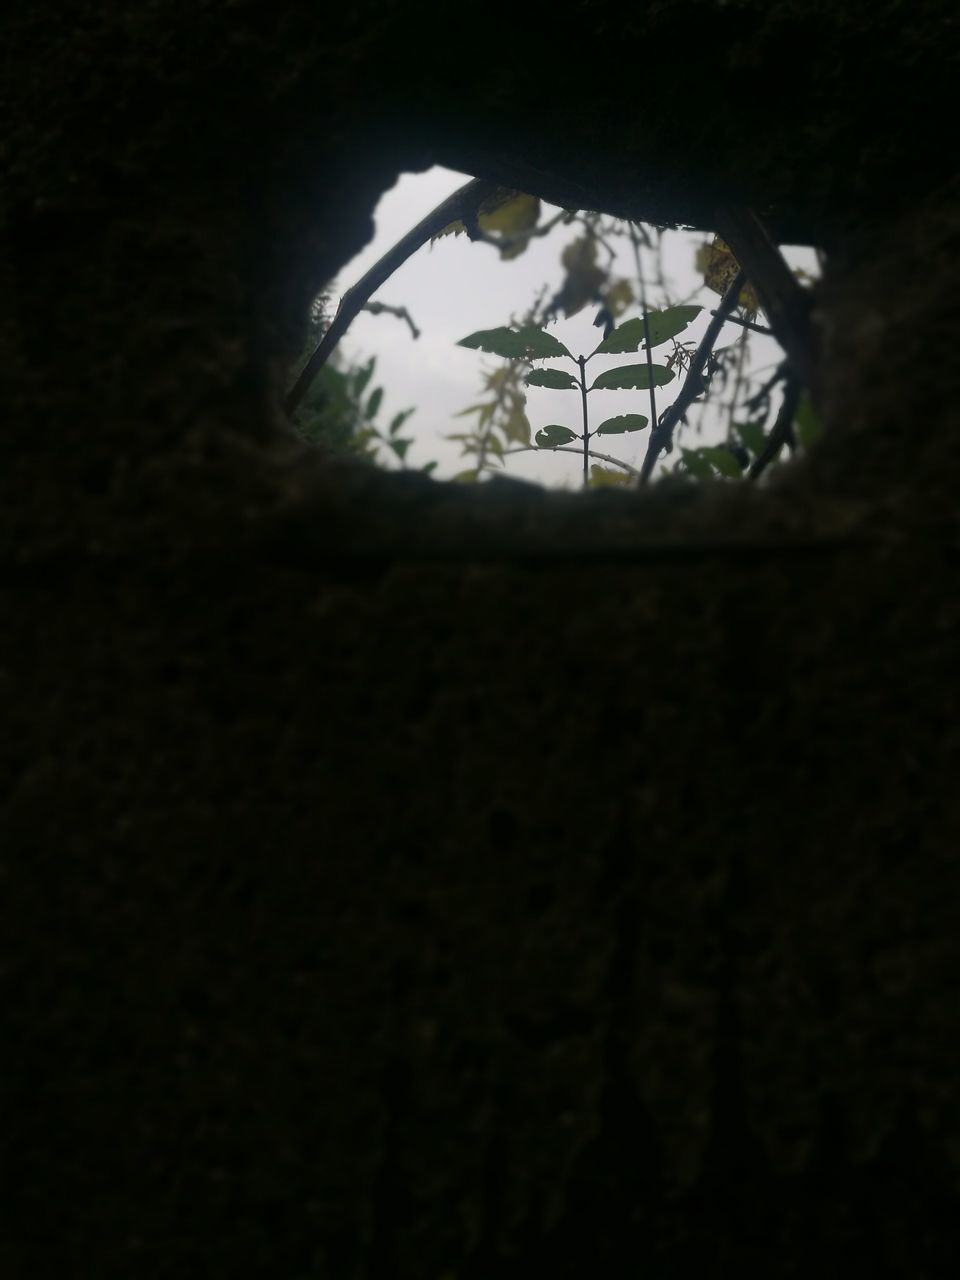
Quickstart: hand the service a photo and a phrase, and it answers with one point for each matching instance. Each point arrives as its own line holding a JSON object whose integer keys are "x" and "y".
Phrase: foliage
{"x": 528, "y": 343}
{"x": 753, "y": 439}
{"x": 718, "y": 267}
{"x": 510, "y": 214}
{"x": 339, "y": 411}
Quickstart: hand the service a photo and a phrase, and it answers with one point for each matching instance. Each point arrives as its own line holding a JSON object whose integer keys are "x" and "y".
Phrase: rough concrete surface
{"x": 406, "y": 880}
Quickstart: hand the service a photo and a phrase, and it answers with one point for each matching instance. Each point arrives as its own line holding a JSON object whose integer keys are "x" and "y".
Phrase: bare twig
{"x": 561, "y": 448}
{"x": 693, "y": 385}
{"x": 461, "y": 205}
{"x": 749, "y": 324}
{"x": 595, "y": 231}
{"x": 377, "y": 308}
{"x": 761, "y": 396}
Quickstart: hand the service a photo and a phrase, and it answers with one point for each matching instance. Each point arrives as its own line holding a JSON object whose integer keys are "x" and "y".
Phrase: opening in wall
{"x": 564, "y": 347}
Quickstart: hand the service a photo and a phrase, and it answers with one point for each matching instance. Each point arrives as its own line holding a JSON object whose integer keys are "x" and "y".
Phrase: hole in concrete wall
{"x": 399, "y": 387}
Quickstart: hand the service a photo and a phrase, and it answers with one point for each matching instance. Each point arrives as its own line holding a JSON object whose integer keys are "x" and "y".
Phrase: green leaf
{"x": 627, "y": 337}
{"x": 710, "y": 461}
{"x": 363, "y": 376}
{"x": 752, "y": 436}
{"x": 466, "y": 477}
{"x": 529, "y": 343}
{"x": 509, "y": 213}
{"x": 618, "y": 297}
{"x": 668, "y": 323}
{"x": 697, "y": 465}
{"x": 625, "y": 422}
{"x": 541, "y": 345}
{"x": 605, "y": 476}
{"x": 720, "y": 457}
{"x": 373, "y": 404}
{"x": 632, "y": 375}
{"x": 555, "y": 378}
{"x": 517, "y": 426}
{"x": 472, "y": 408}
{"x": 553, "y": 436}
{"x": 808, "y": 424}
{"x": 400, "y": 447}
{"x": 399, "y": 420}
{"x": 428, "y": 468}
{"x": 498, "y": 342}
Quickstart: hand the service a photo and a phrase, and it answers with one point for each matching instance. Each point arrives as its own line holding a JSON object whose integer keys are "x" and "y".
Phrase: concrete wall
{"x": 413, "y": 881}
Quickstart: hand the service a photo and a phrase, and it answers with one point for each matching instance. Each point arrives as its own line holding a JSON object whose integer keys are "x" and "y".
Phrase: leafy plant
{"x": 531, "y": 343}
{"x": 339, "y": 411}
{"x": 509, "y": 220}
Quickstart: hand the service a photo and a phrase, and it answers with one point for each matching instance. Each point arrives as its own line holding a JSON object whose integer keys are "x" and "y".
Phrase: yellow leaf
{"x": 509, "y": 213}
{"x": 579, "y": 254}
{"x": 604, "y": 475}
{"x": 517, "y": 426}
{"x": 618, "y": 297}
{"x": 719, "y": 266}
{"x": 506, "y": 212}
{"x": 584, "y": 278}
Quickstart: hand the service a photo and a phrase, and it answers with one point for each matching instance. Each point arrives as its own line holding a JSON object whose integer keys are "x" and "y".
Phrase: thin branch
{"x": 662, "y": 434}
{"x": 749, "y": 324}
{"x": 782, "y": 432}
{"x": 377, "y": 308}
{"x": 762, "y": 395}
{"x": 460, "y": 205}
{"x": 597, "y": 234}
{"x": 661, "y": 278}
{"x": 634, "y": 240}
{"x": 562, "y": 448}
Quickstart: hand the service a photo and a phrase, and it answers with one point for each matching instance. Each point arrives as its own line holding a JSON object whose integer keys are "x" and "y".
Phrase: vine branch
{"x": 462, "y": 205}
{"x": 785, "y": 302}
{"x": 782, "y": 431}
{"x": 662, "y": 434}
{"x": 378, "y": 308}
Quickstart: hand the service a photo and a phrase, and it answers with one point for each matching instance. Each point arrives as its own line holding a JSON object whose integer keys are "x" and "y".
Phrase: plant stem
{"x": 378, "y": 308}
{"x": 661, "y": 434}
{"x": 782, "y": 428}
{"x": 749, "y": 324}
{"x": 564, "y": 448}
{"x": 582, "y": 362}
{"x": 646, "y": 323}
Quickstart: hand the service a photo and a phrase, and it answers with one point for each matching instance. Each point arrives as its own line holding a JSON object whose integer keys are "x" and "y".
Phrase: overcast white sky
{"x": 455, "y": 287}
